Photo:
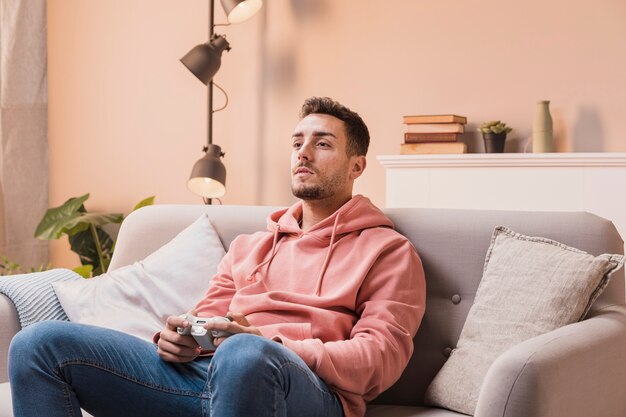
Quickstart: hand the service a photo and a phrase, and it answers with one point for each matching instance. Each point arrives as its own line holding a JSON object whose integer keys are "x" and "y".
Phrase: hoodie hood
{"x": 357, "y": 214}
{"x": 354, "y": 216}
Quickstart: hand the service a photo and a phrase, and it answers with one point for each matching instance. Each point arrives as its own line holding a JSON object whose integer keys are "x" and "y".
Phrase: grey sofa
{"x": 576, "y": 371}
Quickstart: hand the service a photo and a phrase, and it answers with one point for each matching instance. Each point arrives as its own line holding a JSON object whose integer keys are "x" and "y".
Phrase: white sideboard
{"x": 593, "y": 182}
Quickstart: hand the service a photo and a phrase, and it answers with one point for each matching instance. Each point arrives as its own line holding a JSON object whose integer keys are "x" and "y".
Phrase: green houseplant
{"x": 87, "y": 238}
{"x": 494, "y": 135}
{"x": 9, "y": 267}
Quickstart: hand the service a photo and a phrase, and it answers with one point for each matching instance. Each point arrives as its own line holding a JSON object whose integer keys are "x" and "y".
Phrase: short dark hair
{"x": 356, "y": 131}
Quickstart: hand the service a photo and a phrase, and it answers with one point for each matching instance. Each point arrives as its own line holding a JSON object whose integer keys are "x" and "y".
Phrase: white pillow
{"x": 138, "y": 298}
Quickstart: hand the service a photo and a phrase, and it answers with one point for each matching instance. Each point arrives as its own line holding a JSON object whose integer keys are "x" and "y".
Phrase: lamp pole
{"x": 209, "y": 124}
{"x": 210, "y": 85}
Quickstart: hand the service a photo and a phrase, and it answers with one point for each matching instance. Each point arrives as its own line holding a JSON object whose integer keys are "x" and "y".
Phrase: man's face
{"x": 320, "y": 166}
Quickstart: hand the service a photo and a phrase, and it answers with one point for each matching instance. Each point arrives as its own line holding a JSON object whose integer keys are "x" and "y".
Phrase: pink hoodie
{"x": 347, "y": 295}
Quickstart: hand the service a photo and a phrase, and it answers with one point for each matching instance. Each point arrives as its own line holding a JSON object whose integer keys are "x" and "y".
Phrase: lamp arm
{"x": 216, "y": 85}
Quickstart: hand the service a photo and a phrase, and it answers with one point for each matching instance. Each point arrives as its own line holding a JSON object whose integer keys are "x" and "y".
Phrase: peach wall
{"x": 127, "y": 120}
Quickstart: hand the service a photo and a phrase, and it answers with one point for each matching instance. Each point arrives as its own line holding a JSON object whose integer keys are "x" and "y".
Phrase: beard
{"x": 313, "y": 192}
{"x": 327, "y": 186}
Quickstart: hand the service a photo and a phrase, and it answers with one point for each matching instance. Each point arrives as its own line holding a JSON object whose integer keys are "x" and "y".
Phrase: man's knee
{"x": 39, "y": 334}
{"x": 29, "y": 345}
{"x": 249, "y": 344}
{"x": 246, "y": 353}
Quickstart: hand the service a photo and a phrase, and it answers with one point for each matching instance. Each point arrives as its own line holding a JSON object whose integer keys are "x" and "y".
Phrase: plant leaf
{"x": 84, "y": 270}
{"x": 54, "y": 222}
{"x": 145, "y": 202}
{"x": 76, "y": 229}
{"x": 83, "y": 220}
{"x": 82, "y": 244}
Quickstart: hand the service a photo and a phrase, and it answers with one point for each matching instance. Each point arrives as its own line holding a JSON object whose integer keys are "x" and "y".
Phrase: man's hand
{"x": 239, "y": 324}
{"x": 173, "y": 347}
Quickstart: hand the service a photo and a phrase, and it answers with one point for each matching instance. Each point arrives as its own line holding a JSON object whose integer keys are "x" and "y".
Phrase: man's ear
{"x": 358, "y": 166}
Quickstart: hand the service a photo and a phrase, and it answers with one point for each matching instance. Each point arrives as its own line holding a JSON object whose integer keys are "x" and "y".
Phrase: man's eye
{"x": 296, "y": 145}
{"x": 323, "y": 144}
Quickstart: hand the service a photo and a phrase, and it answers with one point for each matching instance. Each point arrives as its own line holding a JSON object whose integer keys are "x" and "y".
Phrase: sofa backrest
{"x": 147, "y": 229}
{"x": 452, "y": 245}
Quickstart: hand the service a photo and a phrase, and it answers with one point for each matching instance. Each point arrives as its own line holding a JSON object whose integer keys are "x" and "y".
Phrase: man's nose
{"x": 304, "y": 152}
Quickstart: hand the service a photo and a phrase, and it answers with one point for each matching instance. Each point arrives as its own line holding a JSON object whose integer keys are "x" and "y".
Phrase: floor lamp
{"x": 208, "y": 176}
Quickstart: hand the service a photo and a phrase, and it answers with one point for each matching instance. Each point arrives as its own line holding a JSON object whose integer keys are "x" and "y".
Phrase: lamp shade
{"x": 238, "y": 11}
{"x": 208, "y": 176}
{"x": 205, "y": 59}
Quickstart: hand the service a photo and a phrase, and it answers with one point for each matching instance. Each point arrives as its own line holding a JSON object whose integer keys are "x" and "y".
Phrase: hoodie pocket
{"x": 292, "y": 331}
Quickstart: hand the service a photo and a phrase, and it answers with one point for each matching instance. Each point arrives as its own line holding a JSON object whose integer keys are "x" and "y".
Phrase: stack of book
{"x": 433, "y": 134}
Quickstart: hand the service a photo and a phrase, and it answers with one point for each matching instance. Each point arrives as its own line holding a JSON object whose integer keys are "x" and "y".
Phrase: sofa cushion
{"x": 33, "y": 296}
{"x": 6, "y": 404}
{"x": 138, "y": 298}
{"x": 530, "y": 286}
{"x": 404, "y": 411}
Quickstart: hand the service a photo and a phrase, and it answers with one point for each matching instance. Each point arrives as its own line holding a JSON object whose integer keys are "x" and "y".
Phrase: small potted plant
{"x": 494, "y": 135}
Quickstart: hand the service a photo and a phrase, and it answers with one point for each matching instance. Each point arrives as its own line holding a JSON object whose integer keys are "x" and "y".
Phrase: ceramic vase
{"x": 542, "y": 128}
{"x": 494, "y": 142}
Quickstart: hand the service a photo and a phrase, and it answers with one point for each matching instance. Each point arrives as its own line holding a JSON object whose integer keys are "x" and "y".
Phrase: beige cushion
{"x": 530, "y": 286}
{"x": 138, "y": 298}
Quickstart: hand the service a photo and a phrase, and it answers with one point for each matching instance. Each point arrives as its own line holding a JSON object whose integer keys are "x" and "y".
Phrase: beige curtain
{"x": 23, "y": 129}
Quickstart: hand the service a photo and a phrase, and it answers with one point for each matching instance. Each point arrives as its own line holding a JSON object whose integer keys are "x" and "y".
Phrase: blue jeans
{"x": 55, "y": 368}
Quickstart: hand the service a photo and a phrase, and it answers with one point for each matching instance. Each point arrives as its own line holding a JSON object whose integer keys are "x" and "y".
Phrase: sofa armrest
{"x": 575, "y": 371}
{"x": 9, "y": 326}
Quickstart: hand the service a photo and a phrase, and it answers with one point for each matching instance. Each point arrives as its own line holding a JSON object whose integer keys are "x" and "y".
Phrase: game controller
{"x": 199, "y": 333}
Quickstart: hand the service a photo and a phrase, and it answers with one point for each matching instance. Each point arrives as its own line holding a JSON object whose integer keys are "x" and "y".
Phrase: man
{"x": 324, "y": 307}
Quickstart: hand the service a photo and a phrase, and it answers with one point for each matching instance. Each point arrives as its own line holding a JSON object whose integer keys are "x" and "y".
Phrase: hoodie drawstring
{"x": 273, "y": 252}
{"x": 318, "y": 286}
{"x": 320, "y": 278}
